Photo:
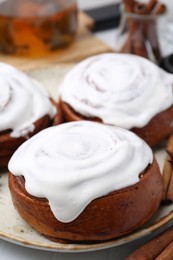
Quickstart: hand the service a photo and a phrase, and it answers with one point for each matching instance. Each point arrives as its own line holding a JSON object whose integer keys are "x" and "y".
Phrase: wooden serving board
{"x": 85, "y": 45}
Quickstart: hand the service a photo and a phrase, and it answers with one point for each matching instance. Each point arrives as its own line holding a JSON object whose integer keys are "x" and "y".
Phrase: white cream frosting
{"x": 121, "y": 89}
{"x": 72, "y": 164}
{"x": 22, "y": 101}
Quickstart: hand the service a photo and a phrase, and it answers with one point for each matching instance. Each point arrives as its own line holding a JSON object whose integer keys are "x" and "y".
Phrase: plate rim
{"x": 70, "y": 247}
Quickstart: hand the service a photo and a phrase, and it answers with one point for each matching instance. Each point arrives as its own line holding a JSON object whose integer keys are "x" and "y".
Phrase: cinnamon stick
{"x": 151, "y": 5}
{"x": 129, "y": 4}
{"x": 139, "y": 47}
{"x": 127, "y": 47}
{"x": 136, "y": 40}
{"x": 148, "y": 27}
{"x": 167, "y": 172}
{"x": 159, "y": 9}
{"x": 167, "y": 253}
{"x": 143, "y": 32}
{"x": 152, "y": 37}
{"x": 169, "y": 146}
{"x": 154, "y": 247}
{"x": 154, "y": 8}
{"x": 169, "y": 194}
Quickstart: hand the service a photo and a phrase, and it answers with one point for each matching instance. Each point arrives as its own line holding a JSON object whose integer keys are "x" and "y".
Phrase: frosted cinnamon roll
{"x": 25, "y": 109}
{"x": 88, "y": 181}
{"x": 122, "y": 90}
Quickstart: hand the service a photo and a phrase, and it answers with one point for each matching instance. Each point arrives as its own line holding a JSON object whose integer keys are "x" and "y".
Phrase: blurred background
{"x": 83, "y": 4}
{"x": 109, "y": 34}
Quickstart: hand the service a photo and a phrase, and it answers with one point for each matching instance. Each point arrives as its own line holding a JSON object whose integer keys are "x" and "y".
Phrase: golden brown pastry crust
{"x": 159, "y": 127}
{"x": 105, "y": 218}
{"x": 9, "y": 144}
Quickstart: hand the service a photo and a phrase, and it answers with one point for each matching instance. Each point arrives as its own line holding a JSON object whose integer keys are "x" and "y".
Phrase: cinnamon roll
{"x": 25, "y": 109}
{"x": 85, "y": 181}
{"x": 123, "y": 90}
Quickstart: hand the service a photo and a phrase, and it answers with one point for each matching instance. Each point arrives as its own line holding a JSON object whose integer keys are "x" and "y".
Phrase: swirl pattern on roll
{"x": 121, "y": 89}
{"x": 22, "y": 101}
{"x": 74, "y": 163}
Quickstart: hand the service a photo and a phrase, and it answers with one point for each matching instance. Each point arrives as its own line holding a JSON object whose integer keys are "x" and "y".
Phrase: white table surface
{"x": 11, "y": 251}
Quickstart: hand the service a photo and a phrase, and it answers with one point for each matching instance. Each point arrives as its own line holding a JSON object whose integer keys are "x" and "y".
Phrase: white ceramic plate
{"x": 16, "y": 230}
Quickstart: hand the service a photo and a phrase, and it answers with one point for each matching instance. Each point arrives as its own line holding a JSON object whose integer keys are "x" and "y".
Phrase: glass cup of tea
{"x": 35, "y": 27}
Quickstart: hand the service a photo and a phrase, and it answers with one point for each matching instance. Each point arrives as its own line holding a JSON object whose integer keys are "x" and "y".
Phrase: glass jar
{"x": 34, "y": 27}
{"x": 139, "y": 34}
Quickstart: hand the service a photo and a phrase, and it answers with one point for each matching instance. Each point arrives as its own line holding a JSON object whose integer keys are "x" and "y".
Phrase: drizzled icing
{"x": 22, "y": 101}
{"x": 72, "y": 164}
{"x": 121, "y": 89}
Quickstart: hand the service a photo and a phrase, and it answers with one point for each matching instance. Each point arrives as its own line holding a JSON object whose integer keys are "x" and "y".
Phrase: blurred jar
{"x": 139, "y": 34}
{"x": 34, "y": 27}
